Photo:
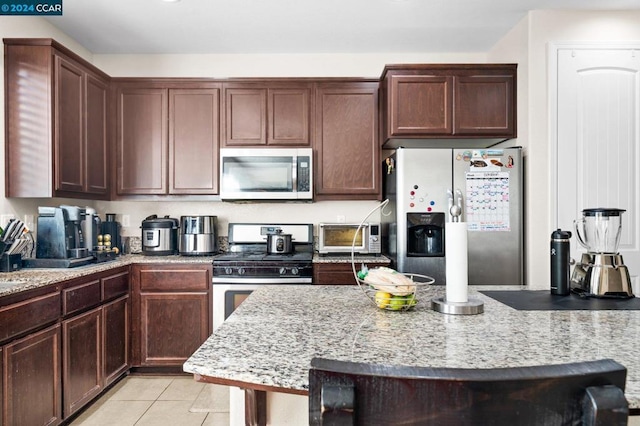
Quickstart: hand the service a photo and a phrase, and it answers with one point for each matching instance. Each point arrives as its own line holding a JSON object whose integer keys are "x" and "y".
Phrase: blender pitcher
{"x": 599, "y": 229}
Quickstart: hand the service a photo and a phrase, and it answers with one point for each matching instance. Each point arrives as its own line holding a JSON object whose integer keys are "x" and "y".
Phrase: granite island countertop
{"x": 31, "y": 278}
{"x": 269, "y": 341}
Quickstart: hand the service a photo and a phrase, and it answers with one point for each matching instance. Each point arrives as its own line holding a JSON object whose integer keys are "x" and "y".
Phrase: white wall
{"x": 527, "y": 43}
{"x": 283, "y": 65}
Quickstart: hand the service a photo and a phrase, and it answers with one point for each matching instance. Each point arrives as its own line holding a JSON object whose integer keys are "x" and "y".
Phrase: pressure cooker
{"x": 279, "y": 243}
{"x": 159, "y": 236}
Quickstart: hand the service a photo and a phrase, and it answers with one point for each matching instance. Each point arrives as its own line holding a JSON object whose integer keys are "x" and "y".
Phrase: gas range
{"x": 248, "y": 260}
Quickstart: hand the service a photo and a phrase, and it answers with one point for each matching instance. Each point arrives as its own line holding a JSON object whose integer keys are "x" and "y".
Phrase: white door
{"x": 598, "y": 129}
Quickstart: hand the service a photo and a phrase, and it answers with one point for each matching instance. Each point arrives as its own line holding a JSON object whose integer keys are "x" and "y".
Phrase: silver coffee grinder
{"x": 601, "y": 271}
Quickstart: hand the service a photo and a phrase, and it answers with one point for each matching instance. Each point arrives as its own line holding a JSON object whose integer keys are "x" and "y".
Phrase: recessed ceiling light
{"x": 171, "y": 1}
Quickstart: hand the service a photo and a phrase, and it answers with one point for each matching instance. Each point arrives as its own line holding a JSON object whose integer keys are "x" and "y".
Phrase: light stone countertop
{"x": 347, "y": 259}
{"x": 31, "y": 278}
{"x": 269, "y": 341}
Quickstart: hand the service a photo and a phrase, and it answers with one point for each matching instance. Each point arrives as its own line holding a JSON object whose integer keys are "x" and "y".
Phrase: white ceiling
{"x": 301, "y": 26}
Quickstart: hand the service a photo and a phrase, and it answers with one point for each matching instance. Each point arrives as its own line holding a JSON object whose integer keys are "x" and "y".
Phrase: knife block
{"x": 10, "y": 262}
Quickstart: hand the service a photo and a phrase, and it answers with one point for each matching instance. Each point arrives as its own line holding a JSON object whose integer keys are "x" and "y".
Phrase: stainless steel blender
{"x": 601, "y": 271}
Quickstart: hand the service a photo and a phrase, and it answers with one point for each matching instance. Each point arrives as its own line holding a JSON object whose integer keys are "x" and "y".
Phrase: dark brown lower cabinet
{"x": 95, "y": 352}
{"x": 82, "y": 380}
{"x": 115, "y": 320}
{"x": 173, "y": 326}
{"x": 339, "y": 273}
{"x": 171, "y": 313}
{"x": 32, "y": 379}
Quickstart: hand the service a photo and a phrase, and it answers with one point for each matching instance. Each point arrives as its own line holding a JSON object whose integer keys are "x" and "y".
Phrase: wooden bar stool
{"x": 583, "y": 393}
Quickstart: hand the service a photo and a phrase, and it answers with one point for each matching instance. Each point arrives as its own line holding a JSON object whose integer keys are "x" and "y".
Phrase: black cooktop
{"x": 263, "y": 256}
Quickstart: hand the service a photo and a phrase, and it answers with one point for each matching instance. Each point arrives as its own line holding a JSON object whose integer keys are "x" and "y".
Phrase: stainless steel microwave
{"x": 338, "y": 238}
{"x": 266, "y": 174}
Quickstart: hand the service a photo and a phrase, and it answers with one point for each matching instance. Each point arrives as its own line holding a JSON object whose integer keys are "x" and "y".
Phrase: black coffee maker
{"x": 60, "y": 241}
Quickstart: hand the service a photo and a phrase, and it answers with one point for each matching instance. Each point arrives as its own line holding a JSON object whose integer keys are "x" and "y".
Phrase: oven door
{"x": 229, "y": 293}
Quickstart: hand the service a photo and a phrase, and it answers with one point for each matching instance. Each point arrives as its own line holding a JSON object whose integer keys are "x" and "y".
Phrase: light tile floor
{"x": 159, "y": 401}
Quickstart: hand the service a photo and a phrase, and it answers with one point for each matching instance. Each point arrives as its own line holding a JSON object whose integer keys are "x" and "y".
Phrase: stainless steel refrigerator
{"x": 422, "y": 184}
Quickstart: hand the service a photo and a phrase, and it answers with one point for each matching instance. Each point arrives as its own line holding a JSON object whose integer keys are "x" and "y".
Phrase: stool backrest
{"x": 583, "y": 393}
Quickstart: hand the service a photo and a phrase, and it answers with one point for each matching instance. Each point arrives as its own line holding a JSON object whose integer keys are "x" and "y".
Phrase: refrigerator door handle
{"x": 459, "y": 203}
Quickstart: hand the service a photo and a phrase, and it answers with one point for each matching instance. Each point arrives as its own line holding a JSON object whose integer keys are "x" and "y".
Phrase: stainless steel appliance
{"x": 337, "y": 238}
{"x": 198, "y": 235}
{"x": 247, "y": 264}
{"x": 279, "y": 243}
{"x": 159, "y": 236}
{"x": 601, "y": 271}
{"x": 420, "y": 184}
{"x": 112, "y": 227}
{"x": 91, "y": 227}
{"x": 59, "y": 239}
{"x": 266, "y": 173}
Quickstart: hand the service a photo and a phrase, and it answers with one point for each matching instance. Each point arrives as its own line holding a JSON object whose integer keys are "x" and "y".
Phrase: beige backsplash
{"x": 323, "y": 211}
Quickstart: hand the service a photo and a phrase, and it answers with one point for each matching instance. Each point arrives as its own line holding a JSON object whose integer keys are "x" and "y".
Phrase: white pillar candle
{"x": 456, "y": 262}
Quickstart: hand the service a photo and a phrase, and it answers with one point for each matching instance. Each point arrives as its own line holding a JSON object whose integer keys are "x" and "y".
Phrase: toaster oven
{"x": 338, "y": 238}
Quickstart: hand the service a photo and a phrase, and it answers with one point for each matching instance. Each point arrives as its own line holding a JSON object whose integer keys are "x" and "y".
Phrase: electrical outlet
{"x": 126, "y": 220}
{"x": 341, "y": 218}
{"x": 5, "y": 218}
{"x": 29, "y": 221}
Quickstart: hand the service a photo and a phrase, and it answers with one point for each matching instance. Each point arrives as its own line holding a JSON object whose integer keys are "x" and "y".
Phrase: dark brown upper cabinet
{"x": 141, "y": 140}
{"x": 167, "y": 138}
{"x": 448, "y": 101}
{"x": 56, "y": 122}
{"x": 264, "y": 113}
{"x": 346, "y": 141}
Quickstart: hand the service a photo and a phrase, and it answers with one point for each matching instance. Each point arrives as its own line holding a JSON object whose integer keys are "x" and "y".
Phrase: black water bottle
{"x": 560, "y": 262}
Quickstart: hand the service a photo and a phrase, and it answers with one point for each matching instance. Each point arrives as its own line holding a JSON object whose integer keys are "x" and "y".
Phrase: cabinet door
{"x": 142, "y": 141}
{"x": 194, "y": 141}
{"x": 173, "y": 326}
{"x": 346, "y": 141}
{"x": 32, "y": 379}
{"x": 97, "y": 153}
{"x": 82, "y": 359}
{"x": 484, "y": 105}
{"x": 289, "y": 113}
{"x": 116, "y": 339}
{"x": 339, "y": 273}
{"x": 420, "y": 105}
{"x": 69, "y": 126}
{"x": 245, "y": 120}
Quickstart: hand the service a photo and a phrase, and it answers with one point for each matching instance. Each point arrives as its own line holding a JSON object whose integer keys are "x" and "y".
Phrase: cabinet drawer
{"x": 115, "y": 285}
{"x": 175, "y": 278}
{"x": 339, "y": 273}
{"x": 21, "y": 317}
{"x": 80, "y": 297}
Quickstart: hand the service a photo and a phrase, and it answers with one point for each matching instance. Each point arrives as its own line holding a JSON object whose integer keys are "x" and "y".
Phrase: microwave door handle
{"x": 294, "y": 173}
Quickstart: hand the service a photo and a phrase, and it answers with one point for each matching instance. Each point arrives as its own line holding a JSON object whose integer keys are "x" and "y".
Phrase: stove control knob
{"x": 294, "y": 271}
{"x": 228, "y": 271}
{"x": 241, "y": 271}
{"x": 283, "y": 271}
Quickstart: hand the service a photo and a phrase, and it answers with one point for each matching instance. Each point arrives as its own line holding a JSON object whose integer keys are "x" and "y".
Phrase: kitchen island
{"x": 268, "y": 342}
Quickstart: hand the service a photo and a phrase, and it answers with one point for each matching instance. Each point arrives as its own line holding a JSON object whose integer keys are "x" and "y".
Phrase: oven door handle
{"x": 223, "y": 280}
